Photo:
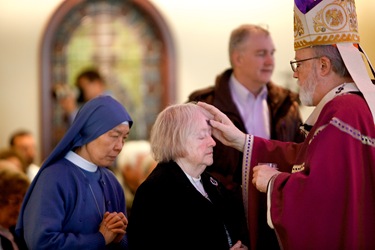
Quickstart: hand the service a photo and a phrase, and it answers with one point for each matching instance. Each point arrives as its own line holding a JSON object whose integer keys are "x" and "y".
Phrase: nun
{"x": 75, "y": 201}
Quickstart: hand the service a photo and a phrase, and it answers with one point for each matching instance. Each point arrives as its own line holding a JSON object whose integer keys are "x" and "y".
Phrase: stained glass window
{"x": 126, "y": 45}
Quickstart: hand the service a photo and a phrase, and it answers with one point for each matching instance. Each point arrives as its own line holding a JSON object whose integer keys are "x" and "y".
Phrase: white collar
{"x": 81, "y": 162}
{"x": 339, "y": 90}
{"x": 239, "y": 92}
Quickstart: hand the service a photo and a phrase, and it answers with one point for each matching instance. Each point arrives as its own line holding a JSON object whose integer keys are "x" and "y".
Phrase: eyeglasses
{"x": 294, "y": 64}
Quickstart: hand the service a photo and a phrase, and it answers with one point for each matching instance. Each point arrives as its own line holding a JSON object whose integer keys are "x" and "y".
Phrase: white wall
{"x": 21, "y": 27}
{"x": 200, "y": 29}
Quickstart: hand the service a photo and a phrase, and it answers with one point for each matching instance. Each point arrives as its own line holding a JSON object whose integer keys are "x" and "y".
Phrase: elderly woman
{"x": 75, "y": 201}
{"x": 13, "y": 186}
{"x": 179, "y": 205}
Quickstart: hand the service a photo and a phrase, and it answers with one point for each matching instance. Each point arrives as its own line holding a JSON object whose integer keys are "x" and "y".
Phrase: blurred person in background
{"x": 13, "y": 186}
{"x": 16, "y": 157}
{"x": 88, "y": 85}
{"x": 23, "y": 141}
{"x": 133, "y": 165}
{"x": 67, "y": 95}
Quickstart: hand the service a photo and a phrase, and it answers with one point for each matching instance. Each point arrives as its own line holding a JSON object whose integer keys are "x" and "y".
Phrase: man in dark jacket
{"x": 255, "y": 105}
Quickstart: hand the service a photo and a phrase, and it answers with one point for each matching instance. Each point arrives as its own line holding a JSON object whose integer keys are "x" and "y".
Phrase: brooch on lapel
{"x": 213, "y": 181}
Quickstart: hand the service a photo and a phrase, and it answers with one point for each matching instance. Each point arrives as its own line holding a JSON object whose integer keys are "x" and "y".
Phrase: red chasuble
{"x": 325, "y": 197}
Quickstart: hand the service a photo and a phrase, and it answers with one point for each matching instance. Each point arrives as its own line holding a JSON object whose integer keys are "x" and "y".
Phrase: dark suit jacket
{"x": 169, "y": 213}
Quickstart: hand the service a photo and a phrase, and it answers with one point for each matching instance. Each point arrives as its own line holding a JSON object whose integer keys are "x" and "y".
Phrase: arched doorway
{"x": 129, "y": 42}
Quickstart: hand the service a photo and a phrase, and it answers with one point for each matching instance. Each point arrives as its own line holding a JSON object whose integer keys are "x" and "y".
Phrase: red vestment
{"x": 329, "y": 200}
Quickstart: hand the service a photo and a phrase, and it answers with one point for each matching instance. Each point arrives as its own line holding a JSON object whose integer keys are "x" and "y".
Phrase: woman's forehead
{"x": 121, "y": 128}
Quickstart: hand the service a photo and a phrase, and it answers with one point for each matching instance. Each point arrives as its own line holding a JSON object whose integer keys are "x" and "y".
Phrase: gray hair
{"x": 239, "y": 35}
{"x": 171, "y": 130}
{"x": 333, "y": 54}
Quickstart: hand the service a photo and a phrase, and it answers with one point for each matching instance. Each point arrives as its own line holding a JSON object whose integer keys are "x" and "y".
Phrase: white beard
{"x": 306, "y": 92}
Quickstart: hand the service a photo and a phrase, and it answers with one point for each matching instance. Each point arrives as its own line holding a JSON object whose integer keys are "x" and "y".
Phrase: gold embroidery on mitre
{"x": 332, "y": 17}
{"x": 298, "y": 26}
{"x": 331, "y": 23}
{"x": 298, "y": 168}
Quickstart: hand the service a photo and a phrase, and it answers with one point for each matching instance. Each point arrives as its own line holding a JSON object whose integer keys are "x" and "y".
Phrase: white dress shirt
{"x": 253, "y": 109}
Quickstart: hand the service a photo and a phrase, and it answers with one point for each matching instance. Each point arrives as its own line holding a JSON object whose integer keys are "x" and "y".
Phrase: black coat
{"x": 169, "y": 213}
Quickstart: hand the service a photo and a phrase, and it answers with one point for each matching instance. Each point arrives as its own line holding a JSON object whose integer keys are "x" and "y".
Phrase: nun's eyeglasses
{"x": 294, "y": 64}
